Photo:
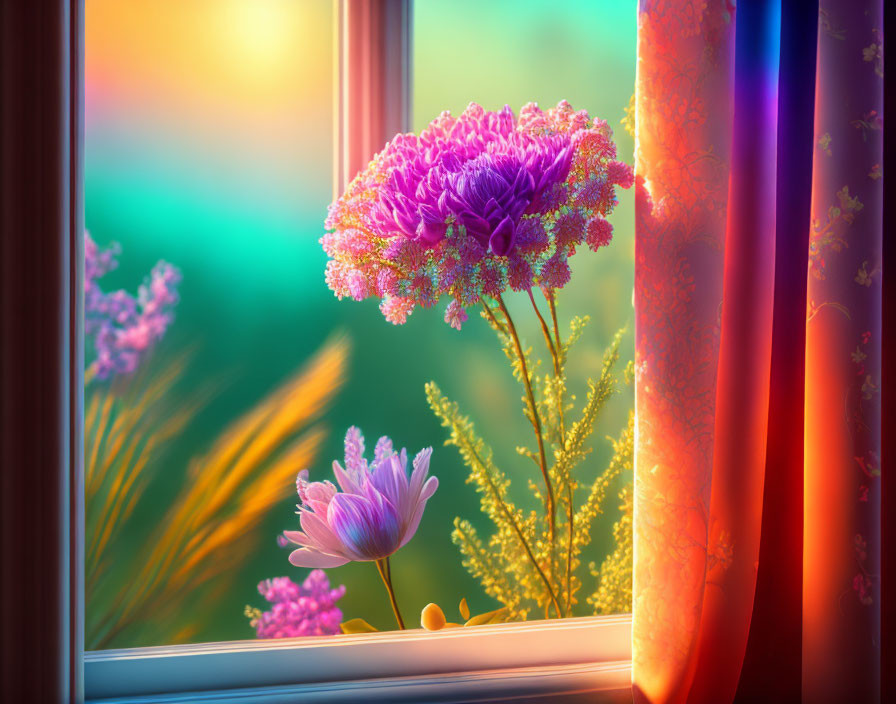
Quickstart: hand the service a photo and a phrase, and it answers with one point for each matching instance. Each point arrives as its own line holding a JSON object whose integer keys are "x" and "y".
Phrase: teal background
{"x": 239, "y": 209}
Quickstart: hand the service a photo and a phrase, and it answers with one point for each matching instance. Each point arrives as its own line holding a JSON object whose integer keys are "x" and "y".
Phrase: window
{"x": 214, "y": 156}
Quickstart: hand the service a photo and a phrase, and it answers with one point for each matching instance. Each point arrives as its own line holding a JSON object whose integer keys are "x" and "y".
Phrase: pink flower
{"x": 600, "y": 232}
{"x": 376, "y": 513}
{"x": 297, "y": 610}
{"x": 472, "y": 205}
{"x": 123, "y": 327}
{"x": 455, "y": 315}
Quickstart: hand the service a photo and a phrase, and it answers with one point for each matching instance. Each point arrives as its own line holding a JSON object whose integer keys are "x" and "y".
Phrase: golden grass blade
{"x": 297, "y": 401}
{"x": 122, "y": 452}
{"x": 225, "y": 467}
{"x": 250, "y": 468}
{"x": 127, "y": 423}
{"x": 94, "y": 480}
{"x": 262, "y": 494}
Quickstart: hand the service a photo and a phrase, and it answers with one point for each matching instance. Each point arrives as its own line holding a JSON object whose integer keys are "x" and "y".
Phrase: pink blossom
{"x": 599, "y": 233}
{"x": 123, "y": 327}
{"x": 472, "y": 205}
{"x": 297, "y": 610}
{"x": 377, "y": 511}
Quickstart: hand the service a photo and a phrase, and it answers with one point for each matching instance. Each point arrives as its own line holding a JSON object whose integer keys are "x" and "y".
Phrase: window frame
{"x": 545, "y": 658}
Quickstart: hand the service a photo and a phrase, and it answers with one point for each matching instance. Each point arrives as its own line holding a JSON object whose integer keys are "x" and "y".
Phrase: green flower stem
{"x": 536, "y": 420}
{"x": 522, "y": 538}
{"x": 492, "y": 319}
{"x": 547, "y": 335}
{"x": 385, "y": 570}
{"x": 553, "y": 306}
{"x": 555, "y": 351}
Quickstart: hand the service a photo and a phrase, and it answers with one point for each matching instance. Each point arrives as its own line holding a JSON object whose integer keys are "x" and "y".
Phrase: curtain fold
{"x": 742, "y": 389}
{"x": 772, "y": 661}
{"x": 841, "y": 597}
{"x": 728, "y": 351}
{"x": 682, "y": 161}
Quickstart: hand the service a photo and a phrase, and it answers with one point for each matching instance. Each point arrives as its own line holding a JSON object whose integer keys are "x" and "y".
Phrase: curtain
{"x": 758, "y": 351}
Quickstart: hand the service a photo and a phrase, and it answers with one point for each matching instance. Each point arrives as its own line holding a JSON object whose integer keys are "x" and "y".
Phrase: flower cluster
{"x": 123, "y": 327}
{"x": 297, "y": 610}
{"x": 473, "y": 205}
{"x": 377, "y": 511}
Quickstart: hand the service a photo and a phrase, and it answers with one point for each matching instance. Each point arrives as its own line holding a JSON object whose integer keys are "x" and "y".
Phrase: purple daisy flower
{"x": 376, "y": 513}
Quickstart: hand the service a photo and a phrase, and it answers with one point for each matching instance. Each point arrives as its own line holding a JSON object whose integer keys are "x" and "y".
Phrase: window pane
{"x": 209, "y": 148}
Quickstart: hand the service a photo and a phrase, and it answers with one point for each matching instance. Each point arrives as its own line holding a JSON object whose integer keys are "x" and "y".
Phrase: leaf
{"x": 496, "y": 616}
{"x": 357, "y": 625}
{"x": 464, "y": 609}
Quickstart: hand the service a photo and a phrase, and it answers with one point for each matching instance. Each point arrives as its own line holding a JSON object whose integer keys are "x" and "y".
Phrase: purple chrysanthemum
{"x": 489, "y": 194}
{"x": 472, "y": 205}
{"x": 377, "y": 511}
{"x": 297, "y": 610}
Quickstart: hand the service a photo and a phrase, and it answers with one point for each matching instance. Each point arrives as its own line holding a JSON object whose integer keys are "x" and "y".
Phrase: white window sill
{"x": 544, "y": 661}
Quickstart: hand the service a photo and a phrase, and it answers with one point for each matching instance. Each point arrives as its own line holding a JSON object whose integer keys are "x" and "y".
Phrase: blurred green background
{"x": 209, "y": 146}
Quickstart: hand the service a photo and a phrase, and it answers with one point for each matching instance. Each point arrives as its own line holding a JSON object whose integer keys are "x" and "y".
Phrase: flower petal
{"x": 320, "y": 532}
{"x": 391, "y": 481}
{"x": 501, "y": 239}
{"x": 346, "y": 482}
{"x": 307, "y": 557}
{"x": 429, "y": 488}
{"x": 367, "y": 526}
{"x": 301, "y": 483}
{"x": 355, "y": 464}
{"x": 320, "y": 492}
{"x": 421, "y": 469}
{"x": 414, "y": 521}
{"x": 413, "y": 524}
{"x": 297, "y": 537}
{"x": 383, "y": 449}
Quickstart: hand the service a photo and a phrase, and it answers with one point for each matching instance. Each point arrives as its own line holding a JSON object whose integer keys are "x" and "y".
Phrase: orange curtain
{"x": 726, "y": 260}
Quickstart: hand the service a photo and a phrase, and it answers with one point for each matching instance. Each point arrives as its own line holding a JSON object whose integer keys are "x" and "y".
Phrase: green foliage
{"x": 614, "y": 578}
{"x": 530, "y": 562}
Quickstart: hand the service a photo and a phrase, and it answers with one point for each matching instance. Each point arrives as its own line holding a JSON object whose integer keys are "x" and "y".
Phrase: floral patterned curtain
{"x": 841, "y": 595}
{"x": 713, "y": 484}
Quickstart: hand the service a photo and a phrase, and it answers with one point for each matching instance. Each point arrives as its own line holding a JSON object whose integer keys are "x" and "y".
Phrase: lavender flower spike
{"x": 376, "y": 512}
